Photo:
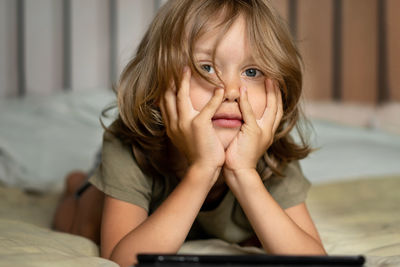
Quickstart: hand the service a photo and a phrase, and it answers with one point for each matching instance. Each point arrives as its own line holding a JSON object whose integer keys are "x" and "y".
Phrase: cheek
{"x": 258, "y": 99}
{"x": 200, "y": 93}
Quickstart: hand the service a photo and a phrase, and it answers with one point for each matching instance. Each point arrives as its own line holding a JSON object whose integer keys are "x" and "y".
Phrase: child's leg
{"x": 80, "y": 215}
{"x": 65, "y": 212}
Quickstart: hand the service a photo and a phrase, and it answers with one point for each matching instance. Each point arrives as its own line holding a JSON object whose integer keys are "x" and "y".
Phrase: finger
{"x": 170, "y": 106}
{"x": 212, "y": 106}
{"x": 268, "y": 118}
{"x": 183, "y": 102}
{"x": 279, "y": 112}
{"x": 245, "y": 107}
{"x": 164, "y": 113}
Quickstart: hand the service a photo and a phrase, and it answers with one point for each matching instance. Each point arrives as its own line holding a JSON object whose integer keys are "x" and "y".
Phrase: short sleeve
{"x": 291, "y": 189}
{"x": 119, "y": 176}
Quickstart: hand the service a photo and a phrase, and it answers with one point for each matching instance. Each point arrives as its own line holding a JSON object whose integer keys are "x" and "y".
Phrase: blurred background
{"x": 350, "y": 47}
{"x": 60, "y": 58}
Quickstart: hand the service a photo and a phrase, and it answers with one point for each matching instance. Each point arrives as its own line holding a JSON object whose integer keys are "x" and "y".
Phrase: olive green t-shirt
{"x": 120, "y": 177}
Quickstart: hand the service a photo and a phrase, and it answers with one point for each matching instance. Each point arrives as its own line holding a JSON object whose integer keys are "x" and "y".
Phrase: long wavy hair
{"x": 168, "y": 46}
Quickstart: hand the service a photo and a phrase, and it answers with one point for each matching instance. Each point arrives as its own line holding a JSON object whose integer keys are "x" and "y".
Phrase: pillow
{"x": 42, "y": 138}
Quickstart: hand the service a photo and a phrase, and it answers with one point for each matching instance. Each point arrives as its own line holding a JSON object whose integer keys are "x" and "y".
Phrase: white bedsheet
{"x": 353, "y": 217}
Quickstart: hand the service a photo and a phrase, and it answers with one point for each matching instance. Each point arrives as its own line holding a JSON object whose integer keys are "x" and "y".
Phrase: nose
{"x": 232, "y": 87}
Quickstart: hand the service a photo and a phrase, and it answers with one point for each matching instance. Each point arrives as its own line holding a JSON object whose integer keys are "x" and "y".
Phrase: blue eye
{"x": 208, "y": 68}
{"x": 252, "y": 73}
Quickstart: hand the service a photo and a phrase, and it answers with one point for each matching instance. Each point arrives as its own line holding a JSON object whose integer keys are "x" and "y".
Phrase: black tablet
{"x": 168, "y": 260}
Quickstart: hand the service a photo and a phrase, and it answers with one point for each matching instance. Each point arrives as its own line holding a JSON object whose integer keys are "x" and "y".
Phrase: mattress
{"x": 353, "y": 217}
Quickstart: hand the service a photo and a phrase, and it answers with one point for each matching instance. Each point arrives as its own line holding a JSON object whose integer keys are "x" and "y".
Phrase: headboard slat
{"x": 21, "y": 47}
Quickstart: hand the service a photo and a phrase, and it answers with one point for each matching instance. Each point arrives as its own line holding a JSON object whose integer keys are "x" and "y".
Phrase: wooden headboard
{"x": 351, "y": 48}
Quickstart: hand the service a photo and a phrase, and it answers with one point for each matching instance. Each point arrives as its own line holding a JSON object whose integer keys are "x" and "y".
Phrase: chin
{"x": 226, "y": 135}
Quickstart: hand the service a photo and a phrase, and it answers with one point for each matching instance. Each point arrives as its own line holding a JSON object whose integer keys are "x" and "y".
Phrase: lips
{"x": 227, "y": 120}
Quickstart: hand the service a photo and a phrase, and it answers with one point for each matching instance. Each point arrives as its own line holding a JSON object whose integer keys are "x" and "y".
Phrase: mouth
{"x": 227, "y": 120}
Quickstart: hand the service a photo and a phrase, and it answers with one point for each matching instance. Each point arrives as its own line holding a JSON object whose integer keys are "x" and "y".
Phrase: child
{"x": 201, "y": 147}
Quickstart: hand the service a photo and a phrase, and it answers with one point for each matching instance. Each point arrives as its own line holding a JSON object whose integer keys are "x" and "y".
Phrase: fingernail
{"x": 186, "y": 69}
{"x": 243, "y": 90}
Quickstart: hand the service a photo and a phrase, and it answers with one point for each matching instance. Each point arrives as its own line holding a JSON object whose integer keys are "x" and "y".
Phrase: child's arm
{"x": 127, "y": 229}
{"x": 289, "y": 231}
{"x": 280, "y": 231}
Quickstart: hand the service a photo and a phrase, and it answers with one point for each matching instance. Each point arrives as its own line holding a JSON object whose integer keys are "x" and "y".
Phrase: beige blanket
{"x": 354, "y": 217}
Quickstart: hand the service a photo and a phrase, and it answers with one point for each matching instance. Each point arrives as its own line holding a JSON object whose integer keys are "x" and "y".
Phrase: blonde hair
{"x": 167, "y": 47}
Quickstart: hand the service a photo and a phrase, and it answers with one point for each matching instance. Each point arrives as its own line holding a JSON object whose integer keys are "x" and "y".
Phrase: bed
{"x": 354, "y": 199}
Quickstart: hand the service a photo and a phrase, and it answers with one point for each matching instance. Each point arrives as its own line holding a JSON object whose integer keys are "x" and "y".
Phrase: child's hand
{"x": 192, "y": 131}
{"x": 255, "y": 136}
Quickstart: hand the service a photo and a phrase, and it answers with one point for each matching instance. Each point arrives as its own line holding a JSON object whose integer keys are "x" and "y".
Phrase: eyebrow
{"x": 204, "y": 50}
{"x": 209, "y": 52}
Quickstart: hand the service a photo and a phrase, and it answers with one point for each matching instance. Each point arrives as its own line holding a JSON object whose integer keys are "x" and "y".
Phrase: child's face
{"x": 237, "y": 68}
